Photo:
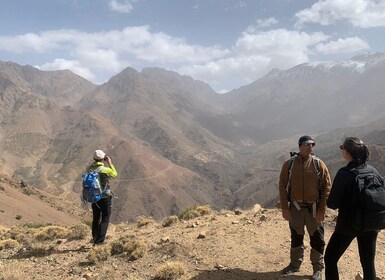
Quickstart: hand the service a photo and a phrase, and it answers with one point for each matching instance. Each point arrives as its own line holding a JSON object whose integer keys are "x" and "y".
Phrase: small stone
{"x": 165, "y": 239}
{"x": 202, "y": 235}
{"x": 238, "y": 211}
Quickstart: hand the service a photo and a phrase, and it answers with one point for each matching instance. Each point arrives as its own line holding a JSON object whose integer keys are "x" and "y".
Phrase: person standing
{"x": 356, "y": 153}
{"x": 101, "y": 210}
{"x": 304, "y": 186}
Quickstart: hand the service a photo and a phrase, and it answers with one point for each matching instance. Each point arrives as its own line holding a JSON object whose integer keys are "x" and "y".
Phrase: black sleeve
{"x": 341, "y": 188}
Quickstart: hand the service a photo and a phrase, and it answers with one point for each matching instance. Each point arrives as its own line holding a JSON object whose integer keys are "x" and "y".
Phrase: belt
{"x": 311, "y": 206}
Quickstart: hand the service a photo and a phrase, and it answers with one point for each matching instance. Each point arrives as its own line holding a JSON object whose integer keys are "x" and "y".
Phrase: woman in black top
{"x": 356, "y": 153}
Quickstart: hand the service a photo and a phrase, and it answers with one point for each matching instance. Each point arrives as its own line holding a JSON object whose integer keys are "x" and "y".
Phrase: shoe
{"x": 316, "y": 275}
{"x": 290, "y": 269}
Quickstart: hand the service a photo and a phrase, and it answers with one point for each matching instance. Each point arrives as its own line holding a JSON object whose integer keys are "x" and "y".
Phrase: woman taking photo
{"x": 342, "y": 197}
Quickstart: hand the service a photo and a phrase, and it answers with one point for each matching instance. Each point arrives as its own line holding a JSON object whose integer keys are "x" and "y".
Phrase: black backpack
{"x": 369, "y": 192}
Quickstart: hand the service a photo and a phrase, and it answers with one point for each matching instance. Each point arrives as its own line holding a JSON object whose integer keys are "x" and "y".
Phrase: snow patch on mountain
{"x": 359, "y": 63}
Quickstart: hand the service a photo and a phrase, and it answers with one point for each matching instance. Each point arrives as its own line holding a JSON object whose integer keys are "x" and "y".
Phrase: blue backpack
{"x": 92, "y": 191}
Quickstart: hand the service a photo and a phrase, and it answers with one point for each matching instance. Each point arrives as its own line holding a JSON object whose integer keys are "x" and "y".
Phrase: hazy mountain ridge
{"x": 174, "y": 141}
{"x": 310, "y": 98}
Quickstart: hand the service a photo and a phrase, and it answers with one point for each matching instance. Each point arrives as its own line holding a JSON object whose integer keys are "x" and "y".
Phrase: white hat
{"x": 99, "y": 154}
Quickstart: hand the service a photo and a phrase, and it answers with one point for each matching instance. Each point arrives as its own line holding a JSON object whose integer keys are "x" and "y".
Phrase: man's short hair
{"x": 306, "y": 139}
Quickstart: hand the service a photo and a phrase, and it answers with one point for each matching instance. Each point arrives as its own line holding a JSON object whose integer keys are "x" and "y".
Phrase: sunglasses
{"x": 309, "y": 144}
{"x": 342, "y": 147}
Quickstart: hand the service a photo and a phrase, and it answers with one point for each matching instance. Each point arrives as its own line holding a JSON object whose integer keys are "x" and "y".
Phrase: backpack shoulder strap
{"x": 97, "y": 170}
{"x": 316, "y": 163}
{"x": 290, "y": 169}
{"x": 317, "y": 167}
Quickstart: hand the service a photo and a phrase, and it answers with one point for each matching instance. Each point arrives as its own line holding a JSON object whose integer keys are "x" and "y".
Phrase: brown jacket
{"x": 304, "y": 182}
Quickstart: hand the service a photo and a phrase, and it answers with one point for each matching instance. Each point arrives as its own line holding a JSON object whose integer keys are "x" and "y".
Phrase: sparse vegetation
{"x": 78, "y": 232}
{"x": 8, "y": 244}
{"x": 194, "y": 212}
{"x": 159, "y": 253}
{"x": 51, "y": 233}
{"x": 32, "y": 225}
{"x": 143, "y": 221}
{"x": 170, "y": 220}
{"x": 99, "y": 253}
{"x": 87, "y": 222}
{"x": 170, "y": 271}
{"x": 134, "y": 247}
{"x": 20, "y": 234}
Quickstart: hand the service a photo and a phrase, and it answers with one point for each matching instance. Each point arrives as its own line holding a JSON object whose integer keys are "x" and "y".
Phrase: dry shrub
{"x": 51, "y": 233}
{"x": 3, "y": 233}
{"x": 194, "y": 212}
{"x": 204, "y": 209}
{"x": 78, "y": 232}
{"x": 8, "y": 244}
{"x": 170, "y": 220}
{"x": 134, "y": 247}
{"x": 143, "y": 221}
{"x": 99, "y": 253}
{"x": 19, "y": 234}
{"x": 170, "y": 271}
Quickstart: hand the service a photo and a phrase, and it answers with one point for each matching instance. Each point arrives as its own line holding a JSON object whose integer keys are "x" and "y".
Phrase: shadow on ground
{"x": 239, "y": 274}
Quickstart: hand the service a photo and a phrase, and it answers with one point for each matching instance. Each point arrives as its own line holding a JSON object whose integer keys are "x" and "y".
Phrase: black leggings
{"x": 338, "y": 244}
{"x": 101, "y": 217}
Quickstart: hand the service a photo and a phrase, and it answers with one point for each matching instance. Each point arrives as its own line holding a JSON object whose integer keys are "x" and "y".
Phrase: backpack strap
{"x": 290, "y": 169}
{"x": 317, "y": 167}
{"x": 288, "y": 186}
{"x": 97, "y": 170}
{"x": 316, "y": 164}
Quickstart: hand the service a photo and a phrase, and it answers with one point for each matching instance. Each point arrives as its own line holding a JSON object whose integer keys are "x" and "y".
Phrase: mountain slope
{"x": 23, "y": 204}
{"x": 312, "y": 97}
{"x": 174, "y": 141}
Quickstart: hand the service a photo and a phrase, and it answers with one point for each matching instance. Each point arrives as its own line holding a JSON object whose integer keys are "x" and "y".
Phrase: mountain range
{"x": 176, "y": 142}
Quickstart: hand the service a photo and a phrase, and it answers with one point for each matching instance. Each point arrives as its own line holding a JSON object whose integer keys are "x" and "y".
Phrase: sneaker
{"x": 290, "y": 269}
{"x": 316, "y": 275}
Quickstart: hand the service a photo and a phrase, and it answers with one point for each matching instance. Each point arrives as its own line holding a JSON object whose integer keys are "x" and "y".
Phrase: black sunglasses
{"x": 309, "y": 144}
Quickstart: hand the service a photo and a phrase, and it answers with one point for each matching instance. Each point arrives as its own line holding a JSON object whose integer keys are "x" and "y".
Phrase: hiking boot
{"x": 316, "y": 275}
{"x": 290, "y": 269}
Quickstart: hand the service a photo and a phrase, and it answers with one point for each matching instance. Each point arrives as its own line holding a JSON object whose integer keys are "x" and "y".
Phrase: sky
{"x": 225, "y": 43}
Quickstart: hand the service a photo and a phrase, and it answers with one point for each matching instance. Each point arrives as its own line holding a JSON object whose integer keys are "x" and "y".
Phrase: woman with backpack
{"x": 349, "y": 225}
{"x": 101, "y": 209}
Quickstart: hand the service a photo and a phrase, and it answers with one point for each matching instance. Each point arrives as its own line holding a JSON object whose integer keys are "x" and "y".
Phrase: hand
{"x": 286, "y": 214}
{"x": 108, "y": 159}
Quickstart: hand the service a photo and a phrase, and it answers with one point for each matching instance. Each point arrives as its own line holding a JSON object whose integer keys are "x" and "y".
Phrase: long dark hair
{"x": 357, "y": 149}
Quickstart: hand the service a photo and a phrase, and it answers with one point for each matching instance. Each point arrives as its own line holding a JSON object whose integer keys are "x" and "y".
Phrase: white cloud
{"x": 346, "y": 45}
{"x": 29, "y": 42}
{"x": 254, "y": 55}
{"x": 241, "y": 4}
{"x": 279, "y": 43}
{"x": 359, "y": 13}
{"x": 125, "y": 7}
{"x": 73, "y": 65}
{"x": 266, "y": 22}
{"x": 111, "y": 51}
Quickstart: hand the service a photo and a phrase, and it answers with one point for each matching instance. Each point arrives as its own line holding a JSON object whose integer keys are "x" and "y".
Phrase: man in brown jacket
{"x": 304, "y": 186}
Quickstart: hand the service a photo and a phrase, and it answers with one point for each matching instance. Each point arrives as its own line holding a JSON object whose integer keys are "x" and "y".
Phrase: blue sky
{"x": 226, "y": 43}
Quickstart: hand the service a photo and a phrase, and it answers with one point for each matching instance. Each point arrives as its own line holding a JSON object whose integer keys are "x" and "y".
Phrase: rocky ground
{"x": 241, "y": 245}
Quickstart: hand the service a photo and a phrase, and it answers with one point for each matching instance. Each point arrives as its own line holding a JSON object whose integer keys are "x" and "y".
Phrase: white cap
{"x": 99, "y": 154}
